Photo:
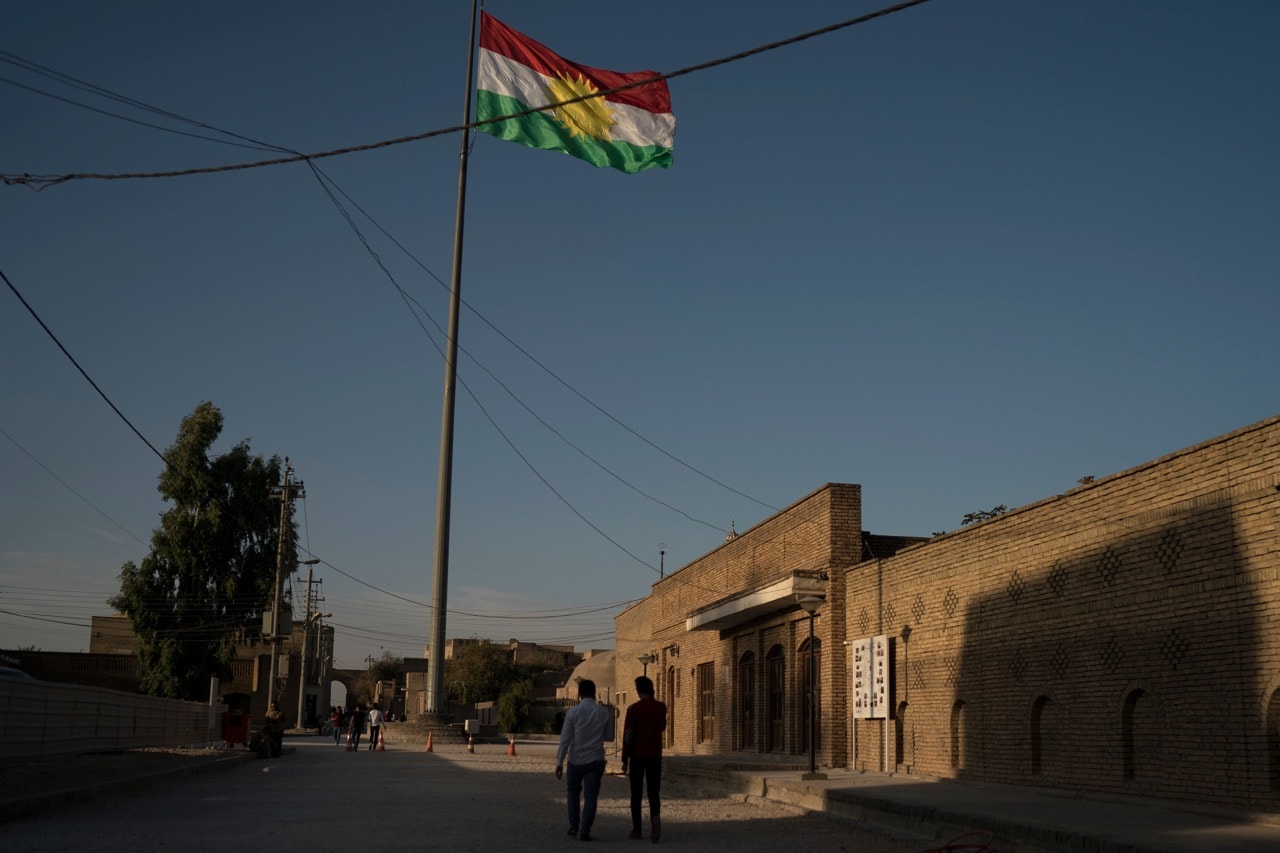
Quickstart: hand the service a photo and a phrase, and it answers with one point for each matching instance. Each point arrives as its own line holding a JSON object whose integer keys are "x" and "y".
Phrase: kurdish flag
{"x": 632, "y": 130}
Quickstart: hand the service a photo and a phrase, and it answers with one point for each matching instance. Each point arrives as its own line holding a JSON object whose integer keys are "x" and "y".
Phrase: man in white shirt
{"x": 375, "y": 726}
{"x": 586, "y": 727}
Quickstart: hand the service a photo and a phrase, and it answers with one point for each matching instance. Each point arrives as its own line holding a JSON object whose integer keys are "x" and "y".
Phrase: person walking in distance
{"x": 642, "y": 732}
{"x": 355, "y": 725}
{"x": 375, "y": 725}
{"x": 338, "y": 722}
{"x": 586, "y": 727}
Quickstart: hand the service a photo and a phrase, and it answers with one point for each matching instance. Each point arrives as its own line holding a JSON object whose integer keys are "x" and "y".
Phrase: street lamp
{"x": 645, "y": 660}
{"x": 810, "y": 604}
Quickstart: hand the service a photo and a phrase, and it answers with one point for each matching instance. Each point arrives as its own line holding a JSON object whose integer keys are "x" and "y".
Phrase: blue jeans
{"x": 583, "y": 779}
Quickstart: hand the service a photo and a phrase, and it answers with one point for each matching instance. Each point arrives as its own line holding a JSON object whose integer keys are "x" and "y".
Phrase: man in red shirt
{"x": 642, "y": 732}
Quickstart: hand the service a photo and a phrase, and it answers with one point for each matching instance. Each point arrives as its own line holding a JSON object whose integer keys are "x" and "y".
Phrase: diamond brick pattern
{"x": 1060, "y": 661}
{"x": 1018, "y": 664}
{"x": 1169, "y": 550}
{"x": 1109, "y": 565}
{"x": 890, "y": 615}
{"x": 1174, "y": 648}
{"x": 1113, "y": 654}
{"x": 918, "y": 609}
{"x": 950, "y": 601}
{"x": 952, "y": 665}
{"x": 1016, "y": 586}
{"x": 917, "y": 678}
{"x": 1059, "y": 577}
{"x": 864, "y": 622}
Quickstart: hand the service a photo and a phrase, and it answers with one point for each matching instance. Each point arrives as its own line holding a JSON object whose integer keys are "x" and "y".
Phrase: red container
{"x": 235, "y": 727}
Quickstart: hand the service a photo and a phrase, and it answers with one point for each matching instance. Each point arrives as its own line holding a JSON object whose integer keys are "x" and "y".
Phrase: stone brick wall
{"x": 1117, "y": 638}
{"x": 816, "y": 535}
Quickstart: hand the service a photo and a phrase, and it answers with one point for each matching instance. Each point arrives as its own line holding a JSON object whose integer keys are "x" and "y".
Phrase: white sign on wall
{"x": 872, "y": 692}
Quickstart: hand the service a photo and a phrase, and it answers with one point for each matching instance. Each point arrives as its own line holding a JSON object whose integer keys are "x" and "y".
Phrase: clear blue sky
{"x": 963, "y": 256}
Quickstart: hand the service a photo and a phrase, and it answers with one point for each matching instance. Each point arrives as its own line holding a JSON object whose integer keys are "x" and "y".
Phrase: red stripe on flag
{"x": 499, "y": 38}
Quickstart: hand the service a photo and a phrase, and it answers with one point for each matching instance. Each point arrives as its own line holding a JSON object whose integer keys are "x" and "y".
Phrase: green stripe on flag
{"x": 542, "y": 130}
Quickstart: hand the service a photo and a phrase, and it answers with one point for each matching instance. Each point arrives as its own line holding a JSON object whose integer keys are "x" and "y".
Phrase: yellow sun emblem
{"x": 585, "y": 118}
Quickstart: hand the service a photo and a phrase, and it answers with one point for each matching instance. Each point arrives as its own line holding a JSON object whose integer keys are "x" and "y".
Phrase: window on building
{"x": 706, "y": 702}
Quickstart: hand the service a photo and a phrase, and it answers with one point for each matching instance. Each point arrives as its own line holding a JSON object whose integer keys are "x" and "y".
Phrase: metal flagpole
{"x": 444, "y": 488}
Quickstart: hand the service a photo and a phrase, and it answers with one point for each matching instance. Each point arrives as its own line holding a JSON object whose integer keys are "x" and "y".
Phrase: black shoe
{"x": 586, "y": 836}
{"x": 573, "y": 830}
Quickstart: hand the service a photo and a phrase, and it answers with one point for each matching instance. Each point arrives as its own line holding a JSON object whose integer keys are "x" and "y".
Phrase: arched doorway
{"x": 776, "y": 664}
{"x": 1041, "y": 717}
{"x": 810, "y": 658}
{"x": 957, "y": 735}
{"x": 1131, "y": 732}
{"x": 671, "y": 707}
{"x": 900, "y": 740}
{"x": 747, "y": 701}
{"x": 1273, "y": 740}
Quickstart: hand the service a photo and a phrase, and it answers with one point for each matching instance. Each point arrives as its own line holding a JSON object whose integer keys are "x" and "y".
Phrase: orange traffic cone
{"x": 349, "y": 748}
{"x": 429, "y": 749}
{"x": 511, "y": 747}
{"x": 471, "y": 743}
{"x": 380, "y": 748}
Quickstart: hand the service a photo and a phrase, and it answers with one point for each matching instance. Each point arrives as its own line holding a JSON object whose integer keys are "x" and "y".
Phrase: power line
{"x": 87, "y": 377}
{"x": 41, "y": 182}
{"x": 69, "y": 488}
{"x": 326, "y": 182}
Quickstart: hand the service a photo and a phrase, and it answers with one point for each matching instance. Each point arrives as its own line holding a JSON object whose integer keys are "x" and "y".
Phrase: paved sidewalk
{"x": 1016, "y": 818}
{"x": 36, "y": 785}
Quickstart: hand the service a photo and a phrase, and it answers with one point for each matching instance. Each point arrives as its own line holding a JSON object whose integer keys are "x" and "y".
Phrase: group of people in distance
{"x": 580, "y": 752}
{"x": 586, "y": 727}
{"x": 352, "y": 722}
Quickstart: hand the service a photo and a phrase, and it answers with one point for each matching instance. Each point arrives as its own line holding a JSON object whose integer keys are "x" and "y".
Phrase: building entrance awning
{"x": 736, "y": 610}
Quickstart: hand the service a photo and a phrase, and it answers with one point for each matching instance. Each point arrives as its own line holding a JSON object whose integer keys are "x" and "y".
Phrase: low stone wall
{"x": 47, "y": 718}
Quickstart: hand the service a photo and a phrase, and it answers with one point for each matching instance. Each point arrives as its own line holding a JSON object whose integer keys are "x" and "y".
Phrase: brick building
{"x": 1118, "y": 638}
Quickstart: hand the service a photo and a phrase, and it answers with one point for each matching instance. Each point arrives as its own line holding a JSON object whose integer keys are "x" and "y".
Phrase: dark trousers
{"x": 645, "y": 772}
{"x": 373, "y": 736}
{"x": 582, "y": 782}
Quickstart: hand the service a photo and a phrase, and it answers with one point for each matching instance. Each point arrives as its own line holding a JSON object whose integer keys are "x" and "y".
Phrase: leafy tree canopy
{"x": 386, "y": 668}
{"x": 210, "y": 572}
{"x": 515, "y": 706}
{"x": 479, "y": 672}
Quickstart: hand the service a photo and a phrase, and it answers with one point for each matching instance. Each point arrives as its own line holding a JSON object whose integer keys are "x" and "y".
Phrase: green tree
{"x": 983, "y": 514}
{"x": 386, "y": 668}
{"x": 211, "y": 569}
{"x": 515, "y": 706}
{"x": 480, "y": 672}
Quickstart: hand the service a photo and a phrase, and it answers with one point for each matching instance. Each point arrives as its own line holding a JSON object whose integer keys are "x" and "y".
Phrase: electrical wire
{"x": 71, "y": 489}
{"x": 547, "y": 370}
{"x": 41, "y": 182}
{"x": 323, "y": 178}
{"x": 72, "y": 359}
{"x": 325, "y": 182}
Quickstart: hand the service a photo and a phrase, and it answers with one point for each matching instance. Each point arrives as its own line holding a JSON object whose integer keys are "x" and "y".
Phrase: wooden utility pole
{"x": 285, "y": 495}
{"x": 306, "y": 643}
